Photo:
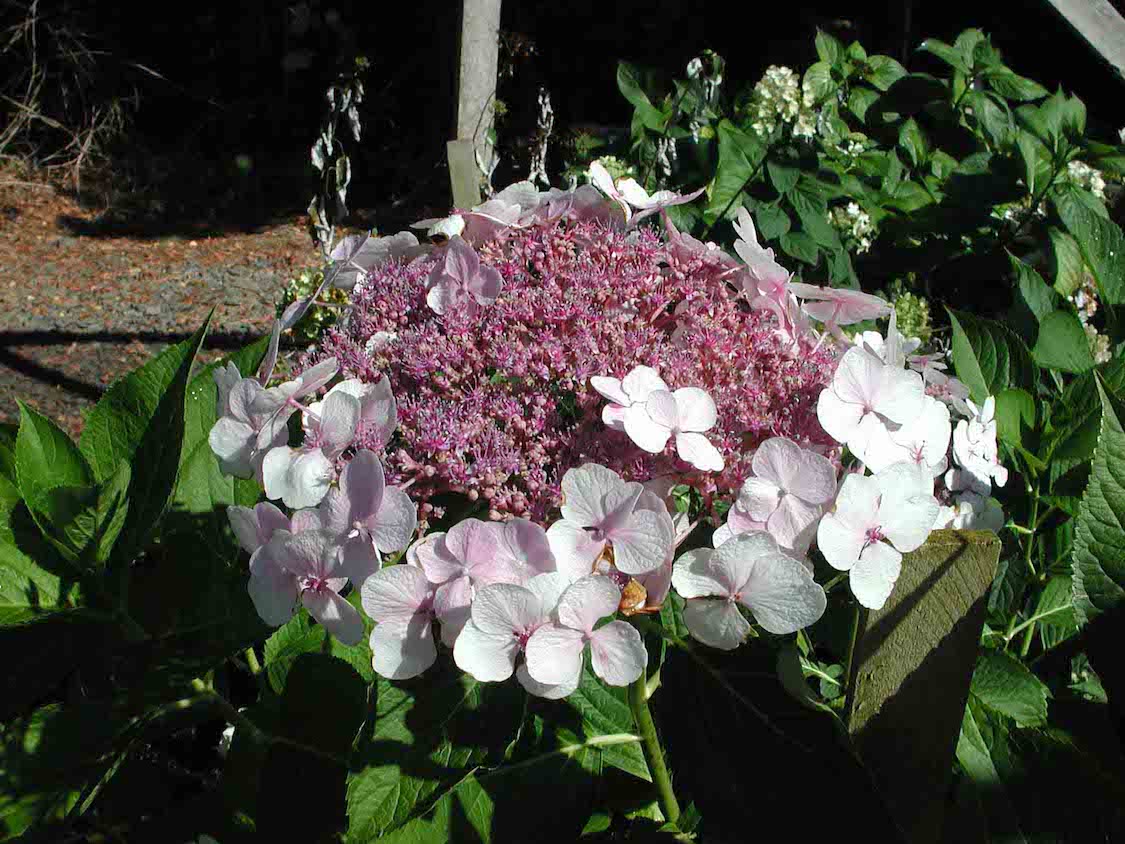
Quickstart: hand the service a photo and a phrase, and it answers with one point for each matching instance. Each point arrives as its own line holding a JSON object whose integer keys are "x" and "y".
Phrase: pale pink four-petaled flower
{"x": 617, "y": 652}
{"x": 600, "y": 511}
{"x": 876, "y": 519}
{"x": 788, "y": 491}
{"x": 504, "y": 618}
{"x": 634, "y": 201}
{"x": 459, "y": 282}
{"x": 752, "y": 571}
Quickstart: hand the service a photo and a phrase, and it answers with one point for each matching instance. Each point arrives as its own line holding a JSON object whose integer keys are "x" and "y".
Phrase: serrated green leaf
{"x": 83, "y": 522}
{"x": 1099, "y": 541}
{"x": 799, "y": 245}
{"x": 644, "y": 111}
{"x": 1034, "y": 300}
{"x": 912, "y": 140}
{"x": 818, "y": 81}
{"x": 302, "y": 635}
{"x": 1063, "y": 344}
{"x": 46, "y": 457}
{"x": 772, "y": 221}
{"x": 1055, "y": 611}
{"x": 1102, "y": 245}
{"x": 783, "y": 176}
{"x": 990, "y": 357}
{"x": 1008, "y": 83}
{"x": 740, "y": 155}
{"x": 883, "y": 71}
{"x": 1015, "y": 410}
{"x": 1003, "y": 684}
{"x": 1070, "y": 267}
{"x": 829, "y": 48}
{"x": 946, "y": 53}
{"x": 423, "y": 737}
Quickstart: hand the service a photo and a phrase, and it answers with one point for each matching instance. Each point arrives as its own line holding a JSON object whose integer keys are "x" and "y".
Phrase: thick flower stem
{"x": 654, "y": 753}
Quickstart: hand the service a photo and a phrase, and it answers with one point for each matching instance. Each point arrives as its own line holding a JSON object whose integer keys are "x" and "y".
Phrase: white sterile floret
{"x": 617, "y": 652}
{"x": 975, "y": 451}
{"x": 788, "y": 491}
{"x": 923, "y": 440}
{"x": 504, "y": 617}
{"x": 601, "y": 511}
{"x": 875, "y": 520}
{"x": 752, "y": 571}
{"x": 684, "y": 415}
{"x": 868, "y": 399}
{"x": 623, "y": 393}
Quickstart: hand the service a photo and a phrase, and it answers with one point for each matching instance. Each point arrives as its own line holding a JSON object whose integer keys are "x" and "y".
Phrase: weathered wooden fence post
{"x": 911, "y": 668}
{"x": 471, "y": 150}
{"x": 1100, "y": 25}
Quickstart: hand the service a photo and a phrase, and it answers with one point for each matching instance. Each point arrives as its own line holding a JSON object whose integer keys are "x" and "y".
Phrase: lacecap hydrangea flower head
{"x": 565, "y": 370}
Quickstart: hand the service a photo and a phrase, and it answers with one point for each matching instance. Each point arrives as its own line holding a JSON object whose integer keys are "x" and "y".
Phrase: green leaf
{"x": 990, "y": 357}
{"x": 1015, "y": 409}
{"x": 1078, "y": 417}
{"x": 772, "y": 221}
{"x": 883, "y": 71}
{"x": 1003, "y": 684}
{"x": 422, "y": 738}
{"x": 818, "y": 81}
{"x": 605, "y": 710}
{"x": 153, "y": 450}
{"x": 630, "y": 87}
{"x": 975, "y": 757}
{"x": 860, "y": 99}
{"x": 83, "y": 522}
{"x": 1008, "y": 83}
{"x": 301, "y": 635}
{"x": 783, "y": 176}
{"x": 829, "y": 49}
{"x": 322, "y": 708}
{"x": 1036, "y": 159}
{"x": 1055, "y": 611}
{"x": 45, "y": 456}
{"x": 1102, "y": 245}
{"x": 1063, "y": 344}
{"x": 912, "y": 140}
{"x": 1034, "y": 300}
{"x": 946, "y": 53}
{"x": 800, "y": 245}
{"x": 1070, "y": 267}
{"x": 740, "y": 155}
{"x": 1099, "y": 542}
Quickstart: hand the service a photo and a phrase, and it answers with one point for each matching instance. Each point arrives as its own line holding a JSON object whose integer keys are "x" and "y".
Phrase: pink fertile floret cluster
{"x": 497, "y": 402}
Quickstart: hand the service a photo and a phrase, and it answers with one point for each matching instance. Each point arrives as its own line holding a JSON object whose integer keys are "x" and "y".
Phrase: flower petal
{"x": 839, "y": 418}
{"x": 339, "y": 418}
{"x": 394, "y": 594}
{"x": 584, "y": 603}
{"x": 617, "y": 653}
{"x": 695, "y": 409}
{"x": 716, "y": 622}
{"x": 611, "y": 389}
{"x": 554, "y": 654}
{"x": 699, "y": 451}
{"x": 584, "y": 490}
{"x": 783, "y": 595}
{"x": 335, "y": 615}
{"x": 839, "y": 541}
{"x": 692, "y": 576}
{"x": 873, "y": 577}
{"x": 794, "y": 523}
{"x": 401, "y": 650}
{"x": 759, "y": 497}
{"x": 362, "y": 482}
{"x": 394, "y": 524}
{"x": 642, "y": 429}
{"x": 487, "y": 657}
{"x": 505, "y": 610}
{"x": 641, "y": 382}
{"x": 556, "y": 691}
{"x": 574, "y": 549}
{"x": 359, "y": 559}
{"x": 643, "y": 542}
{"x": 272, "y": 589}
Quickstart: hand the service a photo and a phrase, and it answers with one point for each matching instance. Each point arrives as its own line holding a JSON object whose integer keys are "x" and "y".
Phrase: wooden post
{"x": 1100, "y": 25}
{"x": 911, "y": 668}
{"x": 476, "y": 94}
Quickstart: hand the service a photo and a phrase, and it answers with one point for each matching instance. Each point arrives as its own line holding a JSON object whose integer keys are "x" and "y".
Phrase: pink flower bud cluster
{"x": 496, "y": 402}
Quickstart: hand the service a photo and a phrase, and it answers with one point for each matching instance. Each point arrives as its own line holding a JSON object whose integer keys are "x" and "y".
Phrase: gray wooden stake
{"x": 1102, "y": 27}
{"x": 911, "y": 666}
{"x": 476, "y": 95}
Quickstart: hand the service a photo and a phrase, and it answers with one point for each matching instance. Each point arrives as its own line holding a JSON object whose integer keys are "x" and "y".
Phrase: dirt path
{"x": 80, "y": 306}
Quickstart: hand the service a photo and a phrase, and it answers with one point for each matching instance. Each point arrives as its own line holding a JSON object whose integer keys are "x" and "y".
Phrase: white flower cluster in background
{"x": 1086, "y": 176}
{"x": 854, "y": 224}
{"x": 779, "y": 101}
{"x": 1085, "y": 300}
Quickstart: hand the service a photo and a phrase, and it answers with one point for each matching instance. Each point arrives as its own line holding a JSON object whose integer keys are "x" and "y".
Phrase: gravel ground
{"x": 79, "y": 306}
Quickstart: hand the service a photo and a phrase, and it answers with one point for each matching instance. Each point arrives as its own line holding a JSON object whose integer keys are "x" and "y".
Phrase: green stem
{"x": 252, "y": 661}
{"x": 737, "y": 194}
{"x": 654, "y": 753}
{"x": 857, "y": 612}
